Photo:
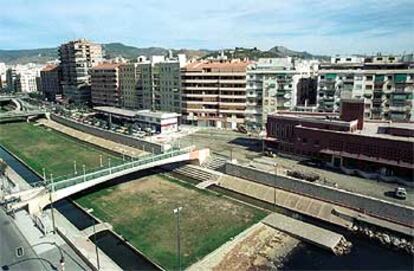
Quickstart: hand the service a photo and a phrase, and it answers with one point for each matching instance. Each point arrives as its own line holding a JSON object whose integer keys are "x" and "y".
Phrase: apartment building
{"x": 128, "y": 81}
{"x": 386, "y": 83}
{"x": 50, "y": 77}
{"x": 214, "y": 93}
{"x": 157, "y": 83}
{"x": 23, "y": 78}
{"x": 76, "y": 59}
{"x": 105, "y": 89}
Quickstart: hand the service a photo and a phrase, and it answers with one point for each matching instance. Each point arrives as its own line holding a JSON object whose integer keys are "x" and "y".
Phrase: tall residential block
{"x": 385, "y": 82}
{"x": 50, "y": 86}
{"x": 152, "y": 83}
{"x": 276, "y": 84}
{"x": 128, "y": 85}
{"x": 76, "y": 59}
{"x": 105, "y": 88}
{"x": 23, "y": 78}
{"x": 214, "y": 93}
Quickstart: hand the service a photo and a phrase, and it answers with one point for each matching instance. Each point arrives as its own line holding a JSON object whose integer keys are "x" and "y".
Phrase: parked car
{"x": 400, "y": 193}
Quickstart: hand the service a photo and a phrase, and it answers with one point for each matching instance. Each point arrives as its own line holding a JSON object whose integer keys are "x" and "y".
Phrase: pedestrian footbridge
{"x": 35, "y": 199}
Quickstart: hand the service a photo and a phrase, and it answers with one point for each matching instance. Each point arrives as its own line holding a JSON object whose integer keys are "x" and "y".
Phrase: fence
{"x": 119, "y": 138}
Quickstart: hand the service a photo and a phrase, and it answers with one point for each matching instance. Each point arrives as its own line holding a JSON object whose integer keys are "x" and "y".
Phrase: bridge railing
{"x": 108, "y": 171}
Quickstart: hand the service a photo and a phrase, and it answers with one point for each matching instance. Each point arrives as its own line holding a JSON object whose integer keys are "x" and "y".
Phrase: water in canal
{"x": 115, "y": 248}
{"x": 365, "y": 254}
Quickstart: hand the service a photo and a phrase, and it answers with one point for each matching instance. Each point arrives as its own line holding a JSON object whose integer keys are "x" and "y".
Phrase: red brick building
{"x": 385, "y": 148}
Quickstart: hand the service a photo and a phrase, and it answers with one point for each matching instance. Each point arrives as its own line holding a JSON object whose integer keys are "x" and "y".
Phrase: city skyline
{"x": 319, "y": 27}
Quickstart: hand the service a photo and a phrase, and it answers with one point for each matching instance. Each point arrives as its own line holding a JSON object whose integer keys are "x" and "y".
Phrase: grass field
{"x": 43, "y": 148}
{"x": 142, "y": 211}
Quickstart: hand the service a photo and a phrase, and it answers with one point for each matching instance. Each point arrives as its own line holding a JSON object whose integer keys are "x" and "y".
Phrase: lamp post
{"x": 44, "y": 174}
{"x": 75, "y": 171}
{"x": 62, "y": 258}
{"x": 109, "y": 165}
{"x": 84, "y": 172}
{"x": 95, "y": 241}
{"x": 177, "y": 212}
{"x": 100, "y": 160}
{"x": 51, "y": 191}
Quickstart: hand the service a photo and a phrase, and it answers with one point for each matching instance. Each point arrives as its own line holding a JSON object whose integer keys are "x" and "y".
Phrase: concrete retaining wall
{"x": 122, "y": 139}
{"x": 382, "y": 209}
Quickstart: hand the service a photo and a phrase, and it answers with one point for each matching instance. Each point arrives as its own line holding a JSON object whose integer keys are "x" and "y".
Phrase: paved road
{"x": 245, "y": 148}
{"x": 10, "y": 238}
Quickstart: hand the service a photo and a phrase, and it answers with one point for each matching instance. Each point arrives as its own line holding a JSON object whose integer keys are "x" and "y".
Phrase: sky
{"x": 318, "y": 26}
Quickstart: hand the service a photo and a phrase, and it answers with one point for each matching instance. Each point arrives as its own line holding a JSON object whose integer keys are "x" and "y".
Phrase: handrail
{"x": 108, "y": 171}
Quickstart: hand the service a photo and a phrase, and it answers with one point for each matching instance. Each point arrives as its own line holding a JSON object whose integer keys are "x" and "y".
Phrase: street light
{"x": 62, "y": 258}
{"x": 74, "y": 168}
{"x": 89, "y": 211}
{"x": 177, "y": 212}
{"x": 100, "y": 160}
{"x": 84, "y": 172}
{"x": 109, "y": 165}
{"x": 51, "y": 191}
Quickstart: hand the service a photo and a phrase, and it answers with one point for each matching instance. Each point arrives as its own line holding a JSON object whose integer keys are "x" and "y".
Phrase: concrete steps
{"x": 215, "y": 162}
{"x": 198, "y": 173}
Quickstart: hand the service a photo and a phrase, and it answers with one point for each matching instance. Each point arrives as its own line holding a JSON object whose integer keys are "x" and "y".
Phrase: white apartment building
{"x": 385, "y": 83}
{"x": 23, "y": 78}
{"x": 157, "y": 83}
{"x": 276, "y": 84}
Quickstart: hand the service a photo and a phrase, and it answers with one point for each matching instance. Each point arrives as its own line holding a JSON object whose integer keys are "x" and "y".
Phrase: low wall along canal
{"x": 120, "y": 252}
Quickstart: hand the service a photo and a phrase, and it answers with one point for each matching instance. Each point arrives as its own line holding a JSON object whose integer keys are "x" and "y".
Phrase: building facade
{"x": 50, "y": 77}
{"x": 386, "y": 83}
{"x": 105, "y": 89}
{"x": 76, "y": 59}
{"x": 214, "y": 93}
{"x": 349, "y": 145}
{"x": 157, "y": 83}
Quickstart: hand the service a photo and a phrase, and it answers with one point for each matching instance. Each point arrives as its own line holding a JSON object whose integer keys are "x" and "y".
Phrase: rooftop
{"x": 133, "y": 113}
{"x": 106, "y": 66}
{"x": 218, "y": 66}
{"x": 49, "y": 67}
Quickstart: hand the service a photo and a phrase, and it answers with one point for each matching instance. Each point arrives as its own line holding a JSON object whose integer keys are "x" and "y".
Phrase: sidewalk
{"x": 43, "y": 244}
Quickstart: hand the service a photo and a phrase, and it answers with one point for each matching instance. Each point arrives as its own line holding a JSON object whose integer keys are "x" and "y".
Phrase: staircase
{"x": 198, "y": 173}
{"x": 215, "y": 162}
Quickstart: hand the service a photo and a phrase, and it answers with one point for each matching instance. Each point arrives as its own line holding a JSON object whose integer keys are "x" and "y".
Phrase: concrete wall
{"x": 375, "y": 207}
{"x": 122, "y": 139}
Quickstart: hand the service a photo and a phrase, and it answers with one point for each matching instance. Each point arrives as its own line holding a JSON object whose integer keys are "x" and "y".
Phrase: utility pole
{"x": 51, "y": 191}
{"x": 95, "y": 240}
{"x": 177, "y": 212}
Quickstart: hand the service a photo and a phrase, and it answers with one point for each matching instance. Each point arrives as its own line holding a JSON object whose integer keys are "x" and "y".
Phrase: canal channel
{"x": 114, "y": 247}
{"x": 365, "y": 254}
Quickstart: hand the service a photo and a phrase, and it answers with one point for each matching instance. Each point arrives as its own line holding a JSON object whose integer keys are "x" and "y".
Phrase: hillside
{"x": 130, "y": 52}
{"x": 255, "y": 53}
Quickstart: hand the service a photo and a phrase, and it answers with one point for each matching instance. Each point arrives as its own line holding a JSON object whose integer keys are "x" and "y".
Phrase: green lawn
{"x": 44, "y": 148}
{"x": 142, "y": 211}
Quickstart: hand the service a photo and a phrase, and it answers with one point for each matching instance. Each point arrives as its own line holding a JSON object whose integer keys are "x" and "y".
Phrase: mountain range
{"x": 111, "y": 50}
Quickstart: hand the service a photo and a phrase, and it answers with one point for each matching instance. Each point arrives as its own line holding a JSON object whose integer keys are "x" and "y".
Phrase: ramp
{"x": 307, "y": 232}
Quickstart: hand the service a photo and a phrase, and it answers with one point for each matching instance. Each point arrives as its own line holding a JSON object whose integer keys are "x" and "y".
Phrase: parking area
{"x": 246, "y": 148}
